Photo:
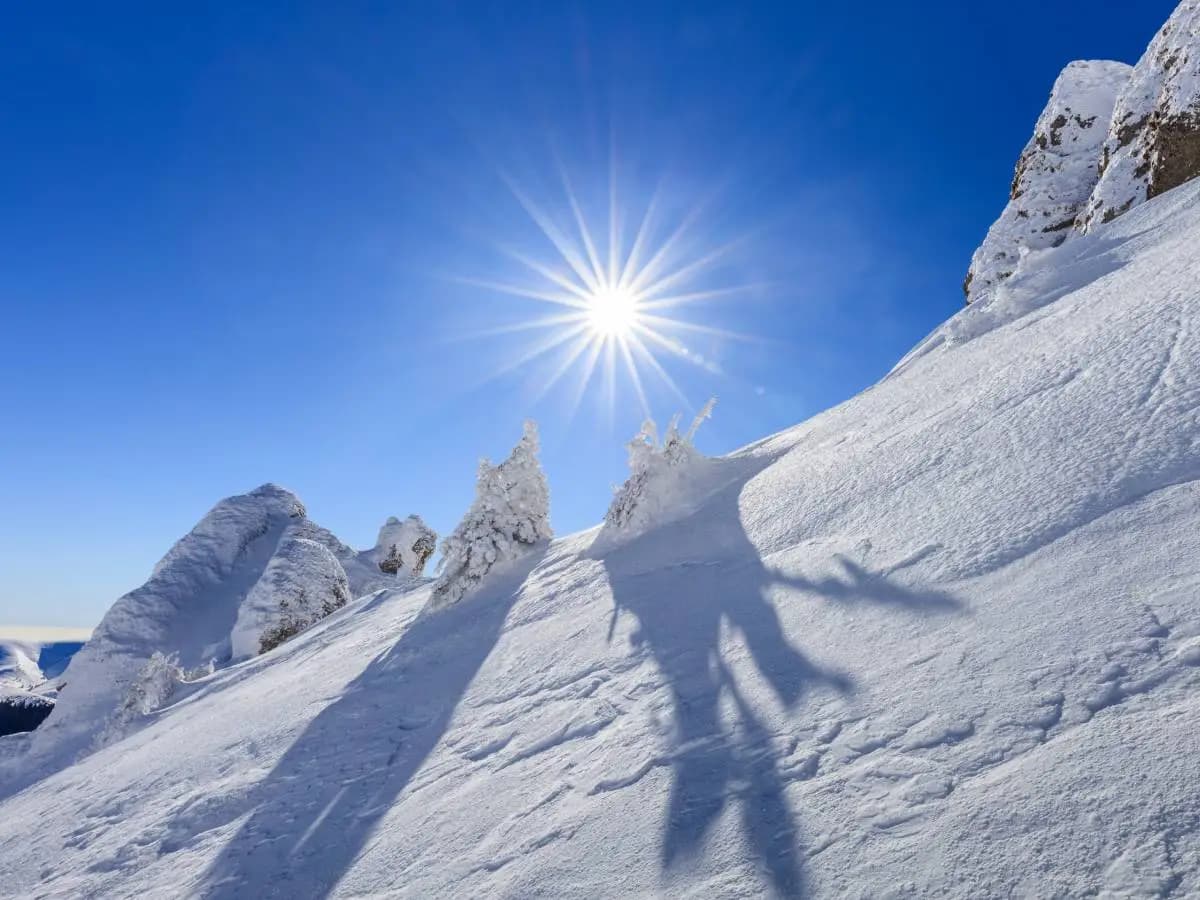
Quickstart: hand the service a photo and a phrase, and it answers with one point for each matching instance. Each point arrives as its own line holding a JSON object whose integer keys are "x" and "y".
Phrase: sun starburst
{"x": 616, "y": 302}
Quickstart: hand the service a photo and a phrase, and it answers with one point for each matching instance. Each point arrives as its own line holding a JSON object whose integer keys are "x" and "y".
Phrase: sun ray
{"x": 584, "y": 232}
{"x": 688, "y": 270}
{"x": 560, "y": 241}
{"x": 672, "y": 300}
{"x": 589, "y": 368}
{"x": 575, "y": 301}
{"x": 583, "y": 293}
{"x": 657, "y": 368}
{"x": 539, "y": 349}
{"x": 574, "y": 353}
{"x": 610, "y": 377}
{"x": 614, "y": 223}
{"x": 634, "y": 376}
{"x": 677, "y": 349}
{"x": 635, "y": 253}
{"x": 665, "y": 323}
{"x": 527, "y": 325}
{"x": 662, "y": 254}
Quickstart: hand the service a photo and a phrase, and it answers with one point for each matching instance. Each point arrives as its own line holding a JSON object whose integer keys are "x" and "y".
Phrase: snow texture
{"x": 149, "y": 691}
{"x": 943, "y": 640}
{"x": 509, "y": 517}
{"x": 1153, "y": 143}
{"x": 1055, "y": 175}
{"x": 19, "y": 670}
{"x": 303, "y": 583}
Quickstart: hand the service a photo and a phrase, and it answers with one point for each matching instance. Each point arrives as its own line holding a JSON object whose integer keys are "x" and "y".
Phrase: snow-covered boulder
{"x": 1153, "y": 142}
{"x": 404, "y": 546}
{"x": 303, "y": 583}
{"x": 1055, "y": 175}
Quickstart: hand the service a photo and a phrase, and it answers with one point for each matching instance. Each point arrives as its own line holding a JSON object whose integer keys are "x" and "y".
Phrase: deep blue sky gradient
{"x": 231, "y": 238}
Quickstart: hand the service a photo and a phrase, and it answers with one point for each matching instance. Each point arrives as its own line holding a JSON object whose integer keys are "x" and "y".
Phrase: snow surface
{"x": 18, "y": 667}
{"x": 1056, "y": 173}
{"x": 941, "y": 640}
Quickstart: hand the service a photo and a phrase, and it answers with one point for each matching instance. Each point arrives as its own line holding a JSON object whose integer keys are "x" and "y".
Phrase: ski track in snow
{"x": 944, "y": 638}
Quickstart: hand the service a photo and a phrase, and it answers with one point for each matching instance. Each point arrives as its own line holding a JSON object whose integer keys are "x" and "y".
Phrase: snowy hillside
{"x": 943, "y": 639}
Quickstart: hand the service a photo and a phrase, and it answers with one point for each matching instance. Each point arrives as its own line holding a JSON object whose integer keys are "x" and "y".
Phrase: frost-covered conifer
{"x": 657, "y": 472}
{"x": 510, "y": 515}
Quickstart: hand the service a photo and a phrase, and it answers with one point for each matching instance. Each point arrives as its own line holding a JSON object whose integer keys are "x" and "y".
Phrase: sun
{"x": 612, "y": 311}
{"x": 617, "y": 301}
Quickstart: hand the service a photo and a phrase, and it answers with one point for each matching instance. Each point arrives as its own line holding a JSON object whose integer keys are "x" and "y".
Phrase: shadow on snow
{"x": 313, "y": 814}
{"x": 684, "y": 582}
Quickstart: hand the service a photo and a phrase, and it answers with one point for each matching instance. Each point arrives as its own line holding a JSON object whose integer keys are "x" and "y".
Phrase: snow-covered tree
{"x": 405, "y": 546}
{"x": 658, "y": 472}
{"x": 510, "y": 515}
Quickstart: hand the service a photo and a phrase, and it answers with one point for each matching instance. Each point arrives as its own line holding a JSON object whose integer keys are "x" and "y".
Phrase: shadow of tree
{"x": 311, "y": 816}
{"x": 862, "y": 586}
{"x": 683, "y": 582}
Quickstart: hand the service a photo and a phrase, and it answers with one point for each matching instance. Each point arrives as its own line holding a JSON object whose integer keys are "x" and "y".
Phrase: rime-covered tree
{"x": 658, "y": 472}
{"x": 510, "y": 515}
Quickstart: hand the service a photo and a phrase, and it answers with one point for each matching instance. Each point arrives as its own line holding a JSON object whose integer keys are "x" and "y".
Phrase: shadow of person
{"x": 683, "y": 582}
{"x": 310, "y": 817}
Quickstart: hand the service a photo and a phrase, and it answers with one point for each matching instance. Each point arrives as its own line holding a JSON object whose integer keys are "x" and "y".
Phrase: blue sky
{"x": 244, "y": 245}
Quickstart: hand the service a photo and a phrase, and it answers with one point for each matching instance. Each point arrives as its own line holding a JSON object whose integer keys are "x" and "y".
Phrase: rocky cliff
{"x": 1153, "y": 142}
{"x": 1056, "y": 172}
{"x": 1110, "y": 138}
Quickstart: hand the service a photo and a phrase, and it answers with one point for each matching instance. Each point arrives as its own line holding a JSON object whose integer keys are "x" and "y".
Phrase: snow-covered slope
{"x": 941, "y": 640}
{"x": 1153, "y": 143}
{"x": 18, "y": 666}
{"x": 1055, "y": 175}
{"x": 208, "y": 600}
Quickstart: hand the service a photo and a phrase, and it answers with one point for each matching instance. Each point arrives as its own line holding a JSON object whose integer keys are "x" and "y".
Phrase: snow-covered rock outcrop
{"x": 404, "y": 546}
{"x": 302, "y": 584}
{"x": 1055, "y": 175}
{"x": 252, "y": 573}
{"x": 188, "y": 607}
{"x": 1153, "y": 143}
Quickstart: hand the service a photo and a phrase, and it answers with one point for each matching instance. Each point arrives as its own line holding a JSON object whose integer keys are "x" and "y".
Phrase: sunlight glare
{"x": 612, "y": 311}
{"x": 616, "y": 301}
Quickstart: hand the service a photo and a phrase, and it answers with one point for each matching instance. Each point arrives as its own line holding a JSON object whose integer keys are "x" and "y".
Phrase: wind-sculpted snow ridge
{"x": 1153, "y": 143}
{"x": 1056, "y": 173}
{"x": 943, "y": 640}
{"x": 254, "y": 568}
